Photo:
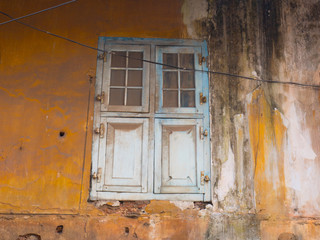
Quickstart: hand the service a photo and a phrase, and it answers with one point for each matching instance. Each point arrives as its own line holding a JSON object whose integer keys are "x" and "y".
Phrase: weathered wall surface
{"x": 265, "y": 147}
{"x": 265, "y": 135}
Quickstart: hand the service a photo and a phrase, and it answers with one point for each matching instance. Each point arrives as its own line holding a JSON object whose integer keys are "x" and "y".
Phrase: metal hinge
{"x": 103, "y": 56}
{"x": 100, "y": 130}
{"x": 97, "y": 176}
{"x": 201, "y": 59}
{"x": 204, "y": 178}
{"x": 203, "y": 99}
{"x": 100, "y": 97}
{"x": 203, "y": 133}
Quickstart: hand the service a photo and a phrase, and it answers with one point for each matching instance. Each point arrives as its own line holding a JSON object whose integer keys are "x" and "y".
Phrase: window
{"x": 151, "y": 122}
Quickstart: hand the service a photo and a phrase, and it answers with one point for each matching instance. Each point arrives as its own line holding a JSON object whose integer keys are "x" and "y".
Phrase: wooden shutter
{"x": 123, "y": 155}
{"x": 178, "y": 156}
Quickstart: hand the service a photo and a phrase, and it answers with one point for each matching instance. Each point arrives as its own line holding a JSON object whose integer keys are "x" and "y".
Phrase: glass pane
{"x": 132, "y": 60}
{"x": 118, "y": 59}
{"x": 187, "y": 99}
{"x": 187, "y": 60}
{"x": 116, "y": 96}
{"x": 187, "y": 79}
{"x": 135, "y": 78}
{"x": 170, "y": 98}
{"x": 170, "y": 79}
{"x": 170, "y": 59}
{"x": 118, "y": 77}
{"x": 134, "y": 97}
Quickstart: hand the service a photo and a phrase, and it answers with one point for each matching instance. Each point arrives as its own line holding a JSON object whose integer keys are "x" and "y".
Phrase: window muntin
{"x": 126, "y": 78}
{"x": 126, "y": 84}
{"x": 180, "y": 86}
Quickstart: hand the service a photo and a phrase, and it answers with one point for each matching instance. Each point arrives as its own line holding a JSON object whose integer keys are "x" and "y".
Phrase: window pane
{"x": 187, "y": 60}
{"x": 170, "y": 98}
{"x": 170, "y": 79}
{"x": 187, "y": 99}
{"x": 187, "y": 79}
{"x": 118, "y": 77}
{"x": 134, "y": 97}
{"x": 118, "y": 59}
{"x": 116, "y": 96}
{"x": 135, "y": 78}
{"x": 170, "y": 59}
{"x": 132, "y": 60}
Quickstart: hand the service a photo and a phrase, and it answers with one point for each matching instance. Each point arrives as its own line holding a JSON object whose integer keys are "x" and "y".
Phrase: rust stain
{"x": 267, "y": 134}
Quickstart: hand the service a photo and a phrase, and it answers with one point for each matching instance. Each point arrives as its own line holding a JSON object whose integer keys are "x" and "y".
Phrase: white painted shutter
{"x": 178, "y": 156}
{"x": 123, "y": 155}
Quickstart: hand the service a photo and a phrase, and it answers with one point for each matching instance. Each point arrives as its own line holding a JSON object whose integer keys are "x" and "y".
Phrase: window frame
{"x": 178, "y": 49}
{"x": 153, "y": 112}
{"x": 145, "y": 80}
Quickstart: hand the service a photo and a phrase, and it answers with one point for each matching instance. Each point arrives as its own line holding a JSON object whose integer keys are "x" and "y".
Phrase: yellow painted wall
{"x": 45, "y": 89}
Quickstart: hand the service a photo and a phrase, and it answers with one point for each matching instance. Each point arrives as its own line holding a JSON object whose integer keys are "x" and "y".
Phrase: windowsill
{"x": 146, "y": 196}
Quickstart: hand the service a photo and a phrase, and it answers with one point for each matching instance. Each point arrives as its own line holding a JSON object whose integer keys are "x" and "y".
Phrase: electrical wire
{"x": 34, "y": 13}
{"x": 52, "y": 34}
{"x": 224, "y": 73}
{"x": 163, "y": 64}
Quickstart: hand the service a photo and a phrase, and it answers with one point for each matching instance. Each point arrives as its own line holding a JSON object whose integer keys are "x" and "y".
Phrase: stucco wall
{"x": 266, "y": 134}
{"x": 265, "y": 149}
{"x": 45, "y": 87}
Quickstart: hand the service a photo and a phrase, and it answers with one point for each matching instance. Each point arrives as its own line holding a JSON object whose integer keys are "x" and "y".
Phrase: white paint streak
{"x": 301, "y": 146}
{"x": 238, "y": 123}
{"x": 301, "y": 168}
{"x": 227, "y": 178}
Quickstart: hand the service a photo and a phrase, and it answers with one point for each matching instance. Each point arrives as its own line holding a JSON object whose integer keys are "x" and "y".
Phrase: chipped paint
{"x": 183, "y": 204}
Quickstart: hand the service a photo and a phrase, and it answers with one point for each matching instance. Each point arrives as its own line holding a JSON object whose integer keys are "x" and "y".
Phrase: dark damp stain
{"x": 314, "y": 13}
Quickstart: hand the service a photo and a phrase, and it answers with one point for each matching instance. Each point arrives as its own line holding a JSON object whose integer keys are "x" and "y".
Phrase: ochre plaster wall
{"x": 45, "y": 88}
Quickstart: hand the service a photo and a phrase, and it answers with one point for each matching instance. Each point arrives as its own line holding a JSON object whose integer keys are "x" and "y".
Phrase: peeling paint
{"x": 183, "y": 205}
{"x": 227, "y": 177}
